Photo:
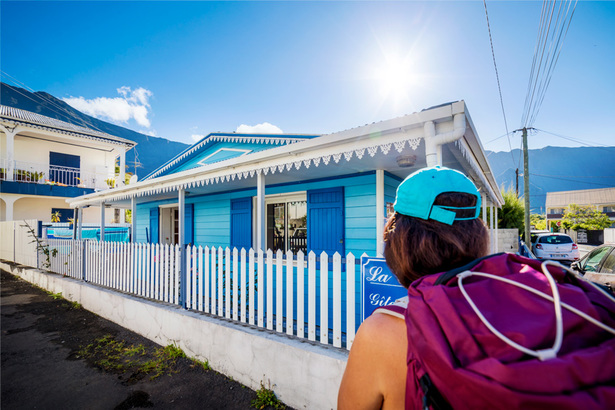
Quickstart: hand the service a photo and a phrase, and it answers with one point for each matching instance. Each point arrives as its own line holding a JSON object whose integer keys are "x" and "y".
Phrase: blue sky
{"x": 181, "y": 69}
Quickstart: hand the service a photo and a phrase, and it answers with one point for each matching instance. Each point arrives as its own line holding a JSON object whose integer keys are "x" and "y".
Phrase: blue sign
{"x": 379, "y": 286}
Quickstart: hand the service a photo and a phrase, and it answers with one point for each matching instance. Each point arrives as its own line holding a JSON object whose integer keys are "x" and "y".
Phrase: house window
{"x": 286, "y": 223}
{"x": 610, "y": 208}
{"x": 557, "y": 211}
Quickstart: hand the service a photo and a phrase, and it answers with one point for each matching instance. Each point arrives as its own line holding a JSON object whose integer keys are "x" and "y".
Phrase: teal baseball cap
{"x": 417, "y": 193}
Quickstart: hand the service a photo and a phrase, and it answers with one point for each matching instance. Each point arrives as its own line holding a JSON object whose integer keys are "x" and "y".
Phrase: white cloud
{"x": 196, "y": 137}
{"x": 264, "y": 128}
{"x": 133, "y": 104}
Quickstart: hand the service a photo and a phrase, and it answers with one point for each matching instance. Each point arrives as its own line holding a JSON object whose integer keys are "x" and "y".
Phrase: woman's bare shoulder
{"x": 376, "y": 368}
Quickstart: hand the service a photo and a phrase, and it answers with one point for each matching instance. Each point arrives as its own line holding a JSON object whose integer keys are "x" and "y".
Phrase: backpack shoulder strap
{"x": 446, "y": 276}
{"x": 397, "y": 308}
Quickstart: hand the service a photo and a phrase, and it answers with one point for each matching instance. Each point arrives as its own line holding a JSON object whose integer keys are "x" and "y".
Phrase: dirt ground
{"x": 57, "y": 355}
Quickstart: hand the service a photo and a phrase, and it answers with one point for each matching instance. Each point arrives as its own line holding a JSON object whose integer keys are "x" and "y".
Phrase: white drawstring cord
{"x": 558, "y": 304}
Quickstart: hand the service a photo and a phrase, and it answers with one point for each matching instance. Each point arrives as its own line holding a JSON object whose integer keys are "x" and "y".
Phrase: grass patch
{"x": 203, "y": 364}
{"x": 76, "y": 305}
{"x": 56, "y": 296}
{"x": 116, "y": 356}
{"x": 265, "y": 397}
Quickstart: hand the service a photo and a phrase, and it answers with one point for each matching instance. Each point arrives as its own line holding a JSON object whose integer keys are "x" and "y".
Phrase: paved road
{"x": 42, "y": 337}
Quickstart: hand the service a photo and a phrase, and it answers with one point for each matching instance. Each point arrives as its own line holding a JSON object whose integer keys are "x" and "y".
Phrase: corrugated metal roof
{"x": 23, "y": 117}
{"x": 562, "y": 199}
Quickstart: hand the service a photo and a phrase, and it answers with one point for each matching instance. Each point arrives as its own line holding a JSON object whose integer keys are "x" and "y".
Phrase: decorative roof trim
{"x": 238, "y": 138}
{"x": 29, "y": 119}
{"x": 318, "y": 160}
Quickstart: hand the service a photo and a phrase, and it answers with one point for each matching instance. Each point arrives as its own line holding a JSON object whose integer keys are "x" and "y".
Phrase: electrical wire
{"x": 570, "y": 180}
{"x": 587, "y": 143}
{"x": 497, "y": 77}
{"x": 51, "y": 103}
{"x": 552, "y": 31}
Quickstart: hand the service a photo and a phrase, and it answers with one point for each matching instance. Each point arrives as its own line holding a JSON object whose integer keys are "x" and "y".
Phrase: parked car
{"x": 598, "y": 266}
{"x": 555, "y": 246}
{"x": 600, "y": 260}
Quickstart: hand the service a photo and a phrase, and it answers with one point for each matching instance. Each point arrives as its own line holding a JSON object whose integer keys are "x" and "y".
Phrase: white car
{"x": 555, "y": 246}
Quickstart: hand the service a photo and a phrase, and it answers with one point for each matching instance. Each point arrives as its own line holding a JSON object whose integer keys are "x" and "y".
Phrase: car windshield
{"x": 555, "y": 239}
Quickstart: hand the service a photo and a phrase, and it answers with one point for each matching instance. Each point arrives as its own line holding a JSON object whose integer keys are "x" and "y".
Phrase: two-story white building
{"x": 45, "y": 161}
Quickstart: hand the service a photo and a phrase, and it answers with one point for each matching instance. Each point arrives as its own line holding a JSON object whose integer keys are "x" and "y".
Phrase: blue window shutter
{"x": 241, "y": 223}
{"x": 325, "y": 220}
{"x": 189, "y": 225}
{"x": 154, "y": 214}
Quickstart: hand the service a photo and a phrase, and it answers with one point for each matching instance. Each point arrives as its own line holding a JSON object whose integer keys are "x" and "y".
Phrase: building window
{"x": 286, "y": 223}
{"x": 64, "y": 214}
{"x": 557, "y": 211}
{"x": 610, "y": 208}
{"x": 64, "y": 169}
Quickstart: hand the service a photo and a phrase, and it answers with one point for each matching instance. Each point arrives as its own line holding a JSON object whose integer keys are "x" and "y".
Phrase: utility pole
{"x": 517, "y": 182}
{"x": 526, "y": 186}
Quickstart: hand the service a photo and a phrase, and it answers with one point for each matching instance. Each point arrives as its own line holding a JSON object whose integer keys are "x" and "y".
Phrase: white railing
{"x": 23, "y": 171}
{"x": 311, "y": 298}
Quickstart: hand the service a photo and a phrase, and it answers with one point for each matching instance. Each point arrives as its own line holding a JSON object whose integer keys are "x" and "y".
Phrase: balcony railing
{"x": 37, "y": 173}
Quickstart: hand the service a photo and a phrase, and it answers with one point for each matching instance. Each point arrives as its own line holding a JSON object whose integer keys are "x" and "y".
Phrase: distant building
{"x": 602, "y": 198}
{"x": 44, "y": 161}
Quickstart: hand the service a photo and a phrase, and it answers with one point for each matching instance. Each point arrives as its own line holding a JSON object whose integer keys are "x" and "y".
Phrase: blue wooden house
{"x": 298, "y": 192}
{"x": 311, "y": 193}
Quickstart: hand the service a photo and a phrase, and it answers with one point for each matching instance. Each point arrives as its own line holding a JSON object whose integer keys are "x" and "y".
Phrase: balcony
{"x": 36, "y": 173}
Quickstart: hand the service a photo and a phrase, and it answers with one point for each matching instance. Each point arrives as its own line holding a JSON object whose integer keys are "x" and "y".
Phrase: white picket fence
{"x": 281, "y": 292}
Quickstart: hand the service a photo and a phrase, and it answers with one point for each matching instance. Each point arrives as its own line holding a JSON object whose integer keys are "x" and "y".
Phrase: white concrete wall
{"x": 303, "y": 375}
{"x": 17, "y": 242}
{"x": 508, "y": 240}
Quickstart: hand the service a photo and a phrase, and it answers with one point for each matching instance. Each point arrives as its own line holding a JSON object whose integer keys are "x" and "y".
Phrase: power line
{"x": 570, "y": 180}
{"x": 497, "y": 77}
{"x": 549, "y": 44}
{"x": 51, "y": 103}
{"x": 587, "y": 143}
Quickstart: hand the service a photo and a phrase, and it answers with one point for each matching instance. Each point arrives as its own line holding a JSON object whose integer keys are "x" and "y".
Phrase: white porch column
{"x": 380, "y": 215}
{"x": 260, "y": 211}
{"x": 495, "y": 241}
{"x": 181, "y": 233}
{"x": 8, "y": 207}
{"x": 102, "y": 221}
{"x": 491, "y": 233}
{"x": 122, "y": 180}
{"x": 133, "y": 217}
{"x": 181, "y": 216}
{"x": 10, "y": 154}
{"x": 79, "y": 223}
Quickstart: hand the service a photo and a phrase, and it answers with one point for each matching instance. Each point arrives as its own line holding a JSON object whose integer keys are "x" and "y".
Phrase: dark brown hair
{"x": 416, "y": 247}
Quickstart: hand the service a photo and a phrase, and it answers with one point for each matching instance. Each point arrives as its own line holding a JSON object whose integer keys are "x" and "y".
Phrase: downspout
{"x": 433, "y": 142}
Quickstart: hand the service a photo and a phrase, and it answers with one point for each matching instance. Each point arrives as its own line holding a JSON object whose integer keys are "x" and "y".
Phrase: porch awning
{"x": 374, "y": 146}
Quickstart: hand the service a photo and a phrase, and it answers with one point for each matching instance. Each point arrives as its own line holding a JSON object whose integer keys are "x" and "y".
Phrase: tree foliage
{"x": 513, "y": 211}
{"x": 538, "y": 221}
{"x": 584, "y": 217}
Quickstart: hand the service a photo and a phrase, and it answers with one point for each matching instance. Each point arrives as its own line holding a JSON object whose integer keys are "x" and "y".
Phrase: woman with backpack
{"x": 435, "y": 349}
{"x": 435, "y": 228}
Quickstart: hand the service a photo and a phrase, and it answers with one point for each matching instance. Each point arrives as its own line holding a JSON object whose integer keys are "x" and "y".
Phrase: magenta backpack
{"x": 526, "y": 352}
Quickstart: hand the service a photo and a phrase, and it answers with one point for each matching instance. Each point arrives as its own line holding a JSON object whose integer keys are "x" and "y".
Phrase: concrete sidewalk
{"x": 42, "y": 337}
